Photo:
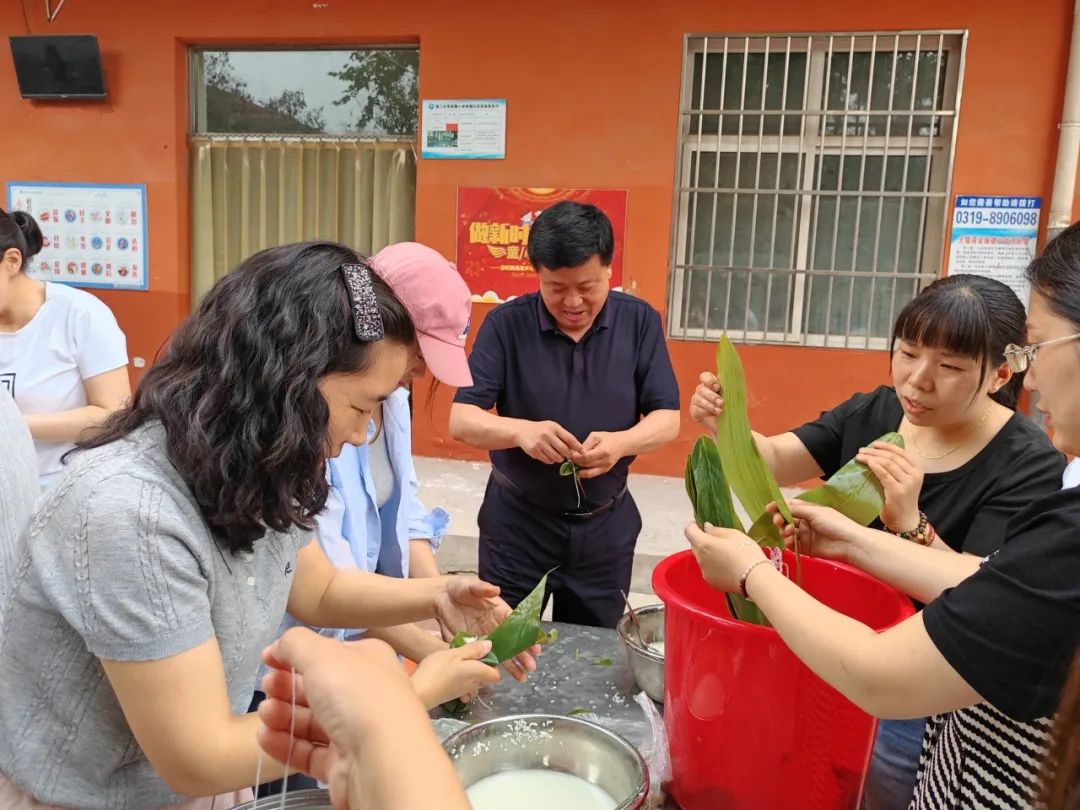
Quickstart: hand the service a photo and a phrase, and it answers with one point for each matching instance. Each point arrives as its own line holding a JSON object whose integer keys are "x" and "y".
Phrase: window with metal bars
{"x": 813, "y": 177}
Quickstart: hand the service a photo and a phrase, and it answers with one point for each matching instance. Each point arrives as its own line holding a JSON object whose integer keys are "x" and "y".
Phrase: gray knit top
{"x": 18, "y": 488}
{"x": 119, "y": 564}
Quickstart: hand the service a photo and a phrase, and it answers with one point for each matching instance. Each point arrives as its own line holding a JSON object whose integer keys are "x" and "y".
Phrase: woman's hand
{"x": 901, "y": 477}
{"x": 454, "y": 673}
{"x": 722, "y": 554}
{"x": 470, "y": 605}
{"x": 707, "y": 402}
{"x": 321, "y": 698}
{"x": 821, "y": 531}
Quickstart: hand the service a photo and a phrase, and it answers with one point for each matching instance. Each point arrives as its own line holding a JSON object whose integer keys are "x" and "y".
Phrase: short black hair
{"x": 568, "y": 234}
{"x": 972, "y": 316}
{"x": 19, "y": 230}
{"x": 1055, "y": 274}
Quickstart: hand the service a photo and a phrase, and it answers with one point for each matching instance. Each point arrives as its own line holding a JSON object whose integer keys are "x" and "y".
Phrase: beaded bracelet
{"x": 746, "y": 573}
{"x": 923, "y": 534}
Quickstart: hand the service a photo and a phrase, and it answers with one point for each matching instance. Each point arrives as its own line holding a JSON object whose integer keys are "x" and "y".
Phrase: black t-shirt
{"x": 969, "y": 506}
{"x": 1010, "y": 630}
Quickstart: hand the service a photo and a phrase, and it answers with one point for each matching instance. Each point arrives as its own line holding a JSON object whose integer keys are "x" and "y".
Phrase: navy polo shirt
{"x": 525, "y": 368}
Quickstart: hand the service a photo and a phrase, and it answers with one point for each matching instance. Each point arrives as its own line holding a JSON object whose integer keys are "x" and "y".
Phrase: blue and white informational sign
{"x": 995, "y": 237}
{"x": 95, "y": 234}
{"x": 463, "y": 129}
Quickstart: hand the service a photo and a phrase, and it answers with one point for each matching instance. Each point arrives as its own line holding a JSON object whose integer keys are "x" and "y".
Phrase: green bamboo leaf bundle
{"x": 732, "y": 464}
{"x": 750, "y": 477}
{"x": 710, "y": 496}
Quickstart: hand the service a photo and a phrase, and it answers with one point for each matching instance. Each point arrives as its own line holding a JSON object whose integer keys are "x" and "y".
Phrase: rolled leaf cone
{"x": 853, "y": 490}
{"x": 515, "y": 634}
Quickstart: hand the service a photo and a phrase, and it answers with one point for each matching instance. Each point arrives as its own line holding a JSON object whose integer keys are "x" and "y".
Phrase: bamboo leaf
{"x": 749, "y": 475}
{"x": 455, "y": 706}
{"x": 568, "y": 468}
{"x": 518, "y": 631}
{"x": 708, "y": 487}
{"x": 854, "y": 490}
{"x": 688, "y": 480}
{"x": 710, "y": 496}
{"x": 745, "y": 610}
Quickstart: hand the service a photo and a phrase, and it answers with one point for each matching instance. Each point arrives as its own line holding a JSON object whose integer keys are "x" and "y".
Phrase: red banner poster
{"x": 493, "y": 232}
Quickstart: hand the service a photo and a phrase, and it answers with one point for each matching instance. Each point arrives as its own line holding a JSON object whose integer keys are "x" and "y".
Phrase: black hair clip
{"x": 365, "y": 307}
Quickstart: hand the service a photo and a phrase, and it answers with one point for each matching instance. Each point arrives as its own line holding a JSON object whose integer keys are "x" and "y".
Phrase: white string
{"x": 258, "y": 779}
{"x": 288, "y": 755}
{"x": 776, "y": 556}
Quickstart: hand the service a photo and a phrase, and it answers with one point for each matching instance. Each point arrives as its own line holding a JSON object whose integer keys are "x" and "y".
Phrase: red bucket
{"x": 749, "y": 725}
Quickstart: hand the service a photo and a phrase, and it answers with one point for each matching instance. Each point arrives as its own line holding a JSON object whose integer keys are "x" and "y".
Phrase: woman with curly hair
{"x": 159, "y": 566}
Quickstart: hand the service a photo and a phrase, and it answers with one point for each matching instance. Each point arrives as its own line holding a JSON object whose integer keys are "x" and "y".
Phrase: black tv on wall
{"x": 58, "y": 67}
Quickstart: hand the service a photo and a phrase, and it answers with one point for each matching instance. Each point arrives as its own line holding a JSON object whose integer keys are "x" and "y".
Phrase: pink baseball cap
{"x": 439, "y": 304}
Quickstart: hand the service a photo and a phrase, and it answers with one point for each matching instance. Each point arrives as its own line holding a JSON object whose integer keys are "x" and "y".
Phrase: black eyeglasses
{"x": 1020, "y": 358}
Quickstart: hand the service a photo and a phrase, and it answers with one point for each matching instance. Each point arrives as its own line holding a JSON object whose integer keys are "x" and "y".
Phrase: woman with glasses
{"x": 988, "y": 656}
{"x": 161, "y": 563}
{"x": 971, "y": 462}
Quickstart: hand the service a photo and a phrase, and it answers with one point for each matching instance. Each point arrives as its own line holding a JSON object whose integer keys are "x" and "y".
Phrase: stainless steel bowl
{"x": 647, "y": 666}
{"x": 295, "y": 800}
{"x": 552, "y": 742}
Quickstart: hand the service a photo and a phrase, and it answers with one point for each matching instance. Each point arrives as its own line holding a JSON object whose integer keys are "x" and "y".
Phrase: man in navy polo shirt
{"x": 576, "y": 373}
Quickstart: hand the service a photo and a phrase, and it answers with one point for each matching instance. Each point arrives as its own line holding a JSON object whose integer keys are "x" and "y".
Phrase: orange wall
{"x": 592, "y": 89}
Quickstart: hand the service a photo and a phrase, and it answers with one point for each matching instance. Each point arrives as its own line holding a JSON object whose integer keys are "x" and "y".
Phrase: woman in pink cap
{"x": 374, "y": 519}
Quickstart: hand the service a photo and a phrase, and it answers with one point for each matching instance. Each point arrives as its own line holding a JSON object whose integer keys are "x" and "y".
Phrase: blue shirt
{"x": 352, "y": 530}
{"x": 525, "y": 368}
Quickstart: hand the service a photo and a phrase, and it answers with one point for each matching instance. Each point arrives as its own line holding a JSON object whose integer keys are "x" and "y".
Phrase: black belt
{"x": 504, "y": 482}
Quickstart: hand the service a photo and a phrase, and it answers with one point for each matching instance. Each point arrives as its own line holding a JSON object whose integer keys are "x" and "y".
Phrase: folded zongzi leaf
{"x": 854, "y": 490}
{"x": 518, "y": 631}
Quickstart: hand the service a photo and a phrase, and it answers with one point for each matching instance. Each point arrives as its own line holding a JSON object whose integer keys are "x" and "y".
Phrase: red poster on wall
{"x": 493, "y": 232}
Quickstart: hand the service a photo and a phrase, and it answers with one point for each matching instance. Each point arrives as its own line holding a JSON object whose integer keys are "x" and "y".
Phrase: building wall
{"x": 593, "y": 92}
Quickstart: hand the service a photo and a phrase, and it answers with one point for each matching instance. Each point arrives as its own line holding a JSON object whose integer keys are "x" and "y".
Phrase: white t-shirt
{"x": 73, "y": 337}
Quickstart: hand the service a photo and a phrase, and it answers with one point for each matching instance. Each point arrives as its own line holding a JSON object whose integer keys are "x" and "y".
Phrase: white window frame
{"x": 811, "y": 144}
